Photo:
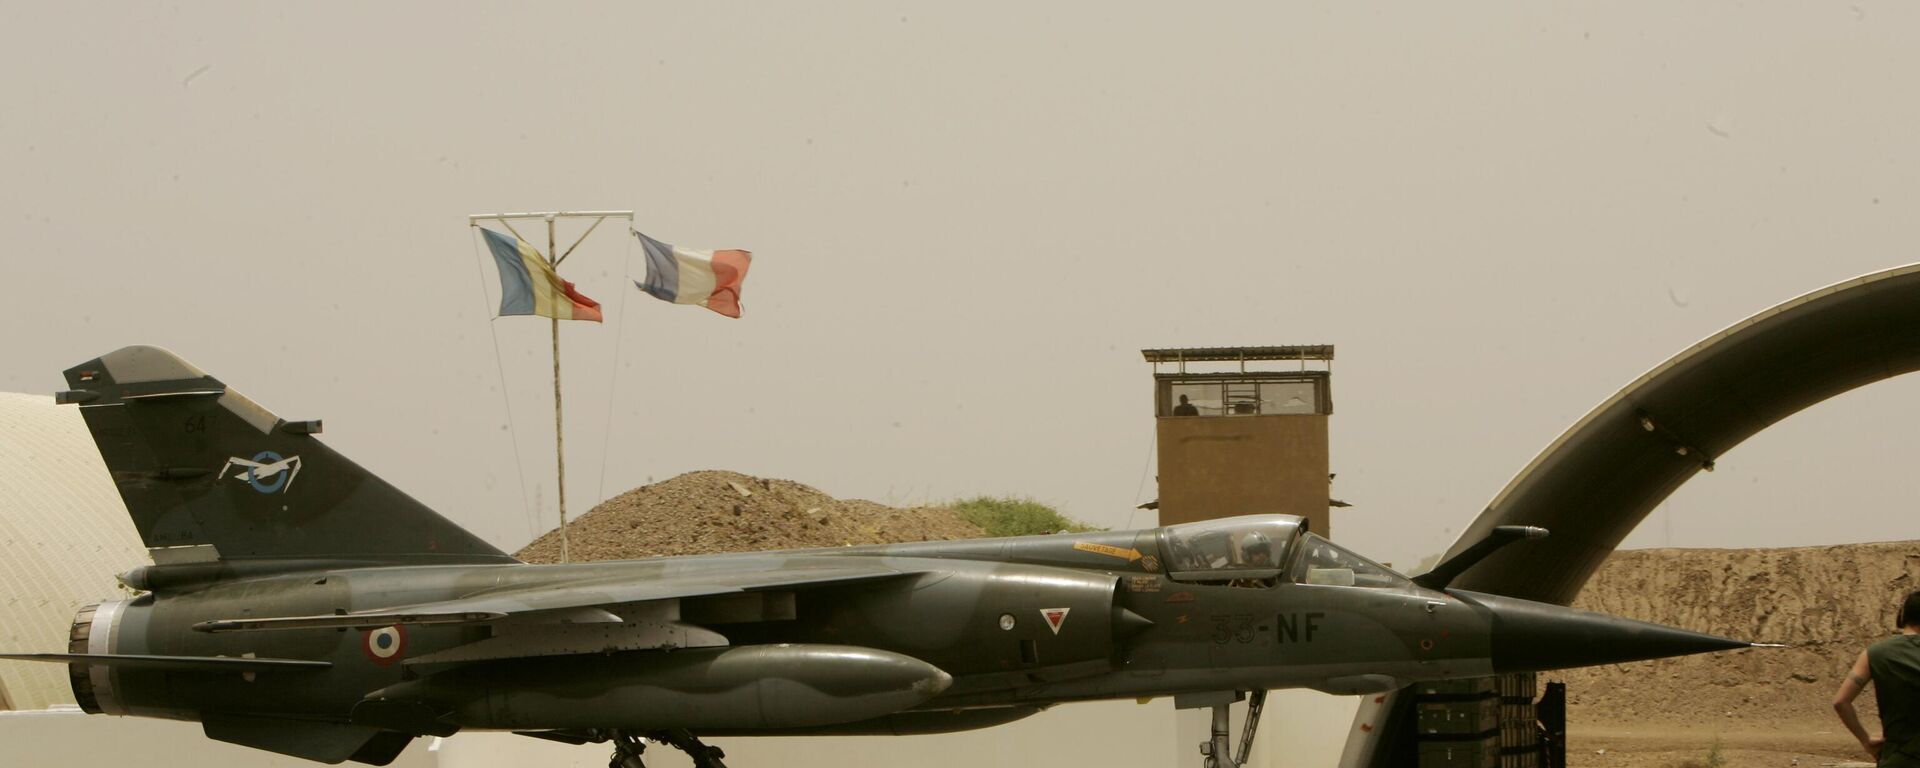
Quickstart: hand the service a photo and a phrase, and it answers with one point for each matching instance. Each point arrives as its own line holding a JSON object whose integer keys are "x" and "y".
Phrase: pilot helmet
{"x": 1255, "y": 549}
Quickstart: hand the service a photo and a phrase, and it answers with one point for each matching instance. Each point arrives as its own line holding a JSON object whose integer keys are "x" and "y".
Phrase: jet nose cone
{"x": 1533, "y": 637}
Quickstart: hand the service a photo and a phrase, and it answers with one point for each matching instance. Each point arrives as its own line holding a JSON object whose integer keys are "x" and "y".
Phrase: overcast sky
{"x": 967, "y": 219}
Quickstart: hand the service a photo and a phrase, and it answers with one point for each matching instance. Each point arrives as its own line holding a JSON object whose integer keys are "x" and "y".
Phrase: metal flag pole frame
{"x": 554, "y": 257}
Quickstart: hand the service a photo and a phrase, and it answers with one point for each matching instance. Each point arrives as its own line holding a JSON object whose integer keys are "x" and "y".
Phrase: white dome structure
{"x": 64, "y": 533}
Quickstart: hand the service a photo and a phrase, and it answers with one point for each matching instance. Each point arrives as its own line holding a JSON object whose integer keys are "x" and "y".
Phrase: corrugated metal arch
{"x": 64, "y": 533}
{"x": 1608, "y": 471}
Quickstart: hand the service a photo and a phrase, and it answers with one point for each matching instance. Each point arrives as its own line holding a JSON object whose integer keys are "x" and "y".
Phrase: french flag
{"x": 711, "y": 279}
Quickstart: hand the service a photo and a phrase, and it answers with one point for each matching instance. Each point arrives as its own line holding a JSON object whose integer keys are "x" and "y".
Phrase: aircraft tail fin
{"x": 208, "y": 474}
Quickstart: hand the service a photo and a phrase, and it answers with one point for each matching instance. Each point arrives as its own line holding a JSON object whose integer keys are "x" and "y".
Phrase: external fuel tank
{"x": 750, "y": 687}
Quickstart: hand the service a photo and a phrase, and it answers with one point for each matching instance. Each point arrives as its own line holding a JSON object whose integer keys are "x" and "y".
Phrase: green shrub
{"x": 1007, "y": 516}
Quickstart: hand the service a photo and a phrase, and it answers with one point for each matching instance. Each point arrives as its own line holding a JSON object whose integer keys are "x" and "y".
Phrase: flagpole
{"x": 553, "y": 258}
{"x": 559, "y": 428}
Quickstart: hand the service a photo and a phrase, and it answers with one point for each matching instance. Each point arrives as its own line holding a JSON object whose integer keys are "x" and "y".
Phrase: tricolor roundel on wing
{"x": 385, "y": 645}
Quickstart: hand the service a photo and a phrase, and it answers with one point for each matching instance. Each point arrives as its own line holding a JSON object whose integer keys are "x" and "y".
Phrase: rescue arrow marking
{"x": 1128, "y": 555}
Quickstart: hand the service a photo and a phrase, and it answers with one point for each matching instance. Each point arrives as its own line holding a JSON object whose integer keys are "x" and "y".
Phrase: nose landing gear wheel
{"x": 626, "y": 751}
{"x": 627, "y": 748}
{"x": 1218, "y": 752}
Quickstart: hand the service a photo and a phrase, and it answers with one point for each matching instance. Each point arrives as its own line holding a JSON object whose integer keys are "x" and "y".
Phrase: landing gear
{"x": 628, "y": 746}
{"x": 626, "y": 751}
{"x": 704, "y": 756}
{"x": 1217, "y": 752}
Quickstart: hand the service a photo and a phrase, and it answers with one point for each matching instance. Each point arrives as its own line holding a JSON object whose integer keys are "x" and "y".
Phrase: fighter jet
{"x": 338, "y": 619}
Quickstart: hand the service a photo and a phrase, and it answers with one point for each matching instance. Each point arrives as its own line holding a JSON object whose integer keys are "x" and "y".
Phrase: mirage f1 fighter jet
{"x": 337, "y": 619}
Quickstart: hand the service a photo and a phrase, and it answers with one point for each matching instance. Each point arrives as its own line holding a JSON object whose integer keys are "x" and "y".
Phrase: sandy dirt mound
{"x": 1826, "y": 603}
{"x": 1768, "y": 706}
{"x": 715, "y": 511}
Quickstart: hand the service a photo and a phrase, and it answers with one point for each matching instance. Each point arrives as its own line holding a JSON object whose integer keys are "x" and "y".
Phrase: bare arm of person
{"x": 1850, "y": 688}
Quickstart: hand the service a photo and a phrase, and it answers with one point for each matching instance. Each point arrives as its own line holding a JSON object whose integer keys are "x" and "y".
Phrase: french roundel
{"x": 385, "y": 645}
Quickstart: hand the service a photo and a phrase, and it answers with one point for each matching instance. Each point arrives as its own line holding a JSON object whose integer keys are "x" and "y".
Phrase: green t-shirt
{"x": 1895, "y": 666}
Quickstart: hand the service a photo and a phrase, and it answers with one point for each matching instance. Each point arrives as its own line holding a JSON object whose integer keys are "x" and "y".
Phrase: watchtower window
{"x": 1216, "y": 381}
{"x": 1291, "y": 395}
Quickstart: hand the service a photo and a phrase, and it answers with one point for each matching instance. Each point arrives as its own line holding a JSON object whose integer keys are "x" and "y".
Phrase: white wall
{"x": 64, "y": 534}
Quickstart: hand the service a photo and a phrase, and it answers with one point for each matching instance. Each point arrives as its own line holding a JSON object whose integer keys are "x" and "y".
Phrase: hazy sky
{"x": 967, "y": 219}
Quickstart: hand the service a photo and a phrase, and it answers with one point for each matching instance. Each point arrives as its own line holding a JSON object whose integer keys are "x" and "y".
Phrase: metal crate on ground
{"x": 1468, "y": 688}
{"x": 1457, "y": 718}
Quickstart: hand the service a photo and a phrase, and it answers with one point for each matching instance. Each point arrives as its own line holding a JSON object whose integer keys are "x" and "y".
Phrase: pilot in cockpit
{"x": 1256, "y": 552}
{"x": 1246, "y": 552}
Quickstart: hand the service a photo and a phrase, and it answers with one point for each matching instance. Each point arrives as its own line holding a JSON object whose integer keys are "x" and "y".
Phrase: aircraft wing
{"x": 584, "y": 601}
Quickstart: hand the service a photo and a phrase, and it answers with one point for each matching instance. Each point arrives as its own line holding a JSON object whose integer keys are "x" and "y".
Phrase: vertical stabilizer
{"x": 208, "y": 474}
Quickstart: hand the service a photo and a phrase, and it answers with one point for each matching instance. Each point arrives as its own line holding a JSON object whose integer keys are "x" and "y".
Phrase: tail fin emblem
{"x": 263, "y": 466}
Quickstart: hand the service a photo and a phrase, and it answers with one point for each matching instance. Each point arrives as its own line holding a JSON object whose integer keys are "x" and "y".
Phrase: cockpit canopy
{"x": 1326, "y": 563}
{"x": 1229, "y": 548}
{"x": 1260, "y": 550}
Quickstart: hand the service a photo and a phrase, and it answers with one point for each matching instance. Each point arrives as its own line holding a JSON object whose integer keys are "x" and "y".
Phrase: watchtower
{"x": 1243, "y": 431}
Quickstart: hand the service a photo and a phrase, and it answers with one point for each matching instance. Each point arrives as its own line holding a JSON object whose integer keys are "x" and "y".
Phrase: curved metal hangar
{"x": 1595, "y": 483}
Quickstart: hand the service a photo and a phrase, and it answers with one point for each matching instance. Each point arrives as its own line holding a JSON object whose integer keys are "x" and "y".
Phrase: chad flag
{"x": 529, "y": 286}
{"x": 711, "y": 279}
